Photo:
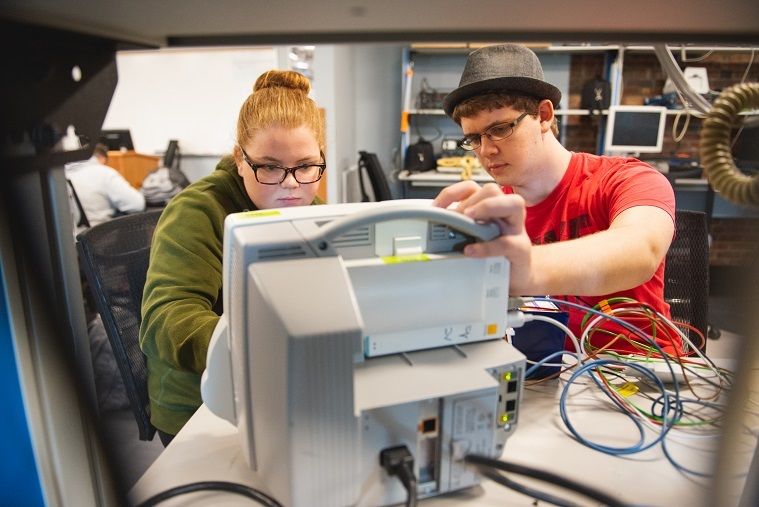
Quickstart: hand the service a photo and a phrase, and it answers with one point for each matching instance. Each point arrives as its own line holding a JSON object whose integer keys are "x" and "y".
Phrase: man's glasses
{"x": 495, "y": 133}
{"x": 272, "y": 174}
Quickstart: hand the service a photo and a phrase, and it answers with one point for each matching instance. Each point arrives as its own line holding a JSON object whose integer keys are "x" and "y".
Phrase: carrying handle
{"x": 321, "y": 240}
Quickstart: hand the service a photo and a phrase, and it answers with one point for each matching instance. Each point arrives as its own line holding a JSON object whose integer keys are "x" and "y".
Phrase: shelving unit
{"x": 557, "y": 112}
{"x": 441, "y": 65}
{"x": 634, "y": 73}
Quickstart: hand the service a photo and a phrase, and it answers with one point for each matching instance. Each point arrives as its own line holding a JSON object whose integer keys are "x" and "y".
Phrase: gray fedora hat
{"x": 508, "y": 67}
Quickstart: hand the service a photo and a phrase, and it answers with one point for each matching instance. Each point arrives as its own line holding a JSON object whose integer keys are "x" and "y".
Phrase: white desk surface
{"x": 438, "y": 179}
{"x": 207, "y": 448}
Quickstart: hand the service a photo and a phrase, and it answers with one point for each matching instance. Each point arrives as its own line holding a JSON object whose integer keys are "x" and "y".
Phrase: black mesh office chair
{"x": 115, "y": 256}
{"x": 686, "y": 272}
{"x": 369, "y": 163}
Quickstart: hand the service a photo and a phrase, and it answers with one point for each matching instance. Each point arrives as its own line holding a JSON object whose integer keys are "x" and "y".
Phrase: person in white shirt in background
{"x": 103, "y": 192}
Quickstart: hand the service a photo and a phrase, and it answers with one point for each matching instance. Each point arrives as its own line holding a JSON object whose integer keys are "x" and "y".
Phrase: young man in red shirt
{"x": 579, "y": 226}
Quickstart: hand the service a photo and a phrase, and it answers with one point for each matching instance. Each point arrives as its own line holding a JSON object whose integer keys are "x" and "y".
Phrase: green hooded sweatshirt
{"x": 181, "y": 302}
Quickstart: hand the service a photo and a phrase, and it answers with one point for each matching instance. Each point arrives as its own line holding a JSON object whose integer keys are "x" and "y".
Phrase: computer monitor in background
{"x": 635, "y": 129}
{"x": 117, "y": 139}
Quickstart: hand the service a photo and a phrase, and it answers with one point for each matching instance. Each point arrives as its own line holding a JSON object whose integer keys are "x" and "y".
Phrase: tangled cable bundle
{"x": 715, "y": 145}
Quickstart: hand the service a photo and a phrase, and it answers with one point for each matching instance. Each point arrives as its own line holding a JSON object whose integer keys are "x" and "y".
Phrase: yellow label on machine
{"x": 398, "y": 259}
{"x": 262, "y": 213}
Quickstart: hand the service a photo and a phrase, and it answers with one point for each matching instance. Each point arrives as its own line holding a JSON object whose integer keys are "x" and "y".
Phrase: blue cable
{"x": 630, "y": 327}
{"x": 616, "y": 451}
{"x": 676, "y": 403}
{"x": 532, "y": 369}
{"x": 678, "y": 466}
{"x": 604, "y": 389}
{"x": 667, "y": 454}
{"x": 666, "y": 401}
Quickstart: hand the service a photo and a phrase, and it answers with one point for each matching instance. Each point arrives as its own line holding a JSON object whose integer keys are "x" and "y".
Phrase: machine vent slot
{"x": 360, "y": 236}
{"x": 281, "y": 252}
{"x": 440, "y": 232}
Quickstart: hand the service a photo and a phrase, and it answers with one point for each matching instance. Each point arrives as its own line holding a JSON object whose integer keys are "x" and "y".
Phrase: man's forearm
{"x": 594, "y": 265}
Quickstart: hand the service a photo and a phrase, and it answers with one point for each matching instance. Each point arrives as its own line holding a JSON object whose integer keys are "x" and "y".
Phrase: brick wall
{"x": 582, "y": 131}
{"x": 735, "y": 240}
{"x": 643, "y": 77}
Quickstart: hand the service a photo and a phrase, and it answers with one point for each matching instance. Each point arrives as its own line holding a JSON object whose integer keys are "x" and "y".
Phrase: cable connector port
{"x": 515, "y": 303}
{"x": 517, "y": 318}
{"x": 399, "y": 461}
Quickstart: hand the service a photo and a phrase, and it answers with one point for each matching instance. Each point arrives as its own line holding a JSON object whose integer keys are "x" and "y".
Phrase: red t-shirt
{"x": 593, "y": 191}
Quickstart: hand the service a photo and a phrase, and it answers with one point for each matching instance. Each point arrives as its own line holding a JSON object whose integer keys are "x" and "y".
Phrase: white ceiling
{"x": 281, "y": 21}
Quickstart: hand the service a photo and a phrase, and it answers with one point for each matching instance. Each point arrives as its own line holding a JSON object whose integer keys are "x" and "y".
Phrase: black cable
{"x": 409, "y": 482}
{"x": 542, "y": 475}
{"x": 520, "y": 488}
{"x": 230, "y": 487}
{"x": 399, "y": 461}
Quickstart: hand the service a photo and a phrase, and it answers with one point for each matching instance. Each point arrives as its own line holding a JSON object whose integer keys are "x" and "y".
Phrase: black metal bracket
{"x": 51, "y": 79}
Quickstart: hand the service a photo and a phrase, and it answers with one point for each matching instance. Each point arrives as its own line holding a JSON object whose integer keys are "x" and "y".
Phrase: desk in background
{"x": 428, "y": 184}
{"x": 133, "y": 166}
{"x": 695, "y": 194}
{"x": 690, "y": 193}
{"x": 208, "y": 448}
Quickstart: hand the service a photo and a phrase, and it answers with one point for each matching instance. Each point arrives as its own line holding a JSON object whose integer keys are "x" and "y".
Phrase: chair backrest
{"x": 369, "y": 163}
{"x": 686, "y": 272}
{"x": 115, "y": 257}
{"x": 171, "y": 153}
{"x": 74, "y": 197}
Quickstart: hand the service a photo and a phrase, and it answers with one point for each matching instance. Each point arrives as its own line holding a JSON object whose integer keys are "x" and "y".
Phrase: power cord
{"x": 231, "y": 487}
{"x": 399, "y": 461}
{"x": 485, "y": 463}
{"x": 520, "y": 488}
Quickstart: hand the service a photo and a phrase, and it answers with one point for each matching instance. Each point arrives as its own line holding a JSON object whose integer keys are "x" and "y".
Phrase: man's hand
{"x": 490, "y": 204}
